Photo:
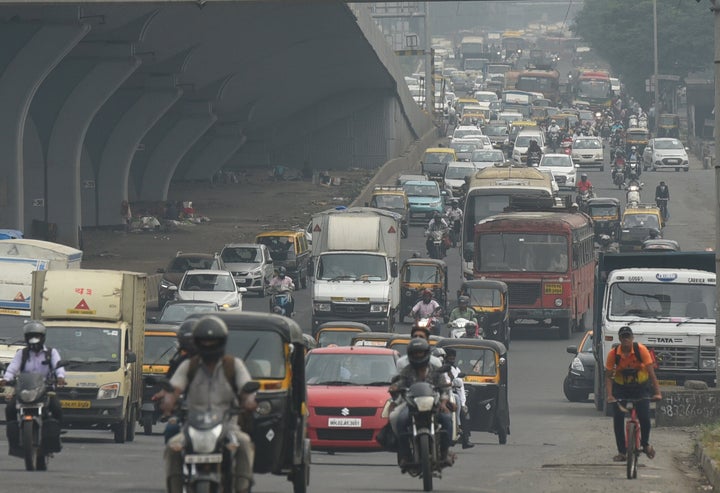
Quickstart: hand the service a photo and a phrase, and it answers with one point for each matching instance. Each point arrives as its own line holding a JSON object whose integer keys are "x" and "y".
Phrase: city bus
{"x": 512, "y": 43}
{"x": 489, "y": 193}
{"x": 546, "y": 259}
{"x": 545, "y": 81}
{"x": 593, "y": 87}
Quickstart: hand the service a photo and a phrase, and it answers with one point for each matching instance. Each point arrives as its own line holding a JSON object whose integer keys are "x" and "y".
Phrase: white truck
{"x": 96, "y": 320}
{"x": 355, "y": 267}
{"x": 670, "y": 309}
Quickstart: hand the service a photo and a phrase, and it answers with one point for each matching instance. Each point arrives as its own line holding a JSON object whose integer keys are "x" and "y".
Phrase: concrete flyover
{"x": 107, "y": 101}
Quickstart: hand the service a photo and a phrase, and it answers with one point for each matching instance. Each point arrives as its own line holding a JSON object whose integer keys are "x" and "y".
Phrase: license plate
{"x": 203, "y": 459}
{"x": 667, "y": 383}
{"x": 75, "y": 404}
{"x": 344, "y": 422}
{"x": 553, "y": 289}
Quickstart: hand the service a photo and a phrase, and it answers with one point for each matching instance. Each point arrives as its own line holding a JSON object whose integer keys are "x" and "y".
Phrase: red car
{"x": 346, "y": 393}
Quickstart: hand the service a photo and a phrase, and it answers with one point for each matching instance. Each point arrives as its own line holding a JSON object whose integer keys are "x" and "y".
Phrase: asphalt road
{"x": 554, "y": 445}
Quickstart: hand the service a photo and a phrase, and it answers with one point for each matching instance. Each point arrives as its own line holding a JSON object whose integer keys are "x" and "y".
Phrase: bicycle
{"x": 632, "y": 436}
{"x": 662, "y": 205}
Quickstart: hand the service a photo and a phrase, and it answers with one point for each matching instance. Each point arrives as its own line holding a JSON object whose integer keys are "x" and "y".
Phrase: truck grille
{"x": 673, "y": 357}
{"x": 359, "y": 435}
{"x": 350, "y": 308}
{"x": 523, "y": 293}
{"x": 352, "y": 411}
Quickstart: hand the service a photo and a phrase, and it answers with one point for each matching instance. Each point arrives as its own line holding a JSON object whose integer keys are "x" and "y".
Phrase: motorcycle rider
{"x": 584, "y": 185}
{"x": 423, "y": 333}
{"x": 633, "y": 158}
{"x": 534, "y": 153}
{"x": 463, "y": 310}
{"x": 209, "y": 388}
{"x": 606, "y": 244}
{"x": 455, "y": 214}
{"x": 282, "y": 282}
{"x": 427, "y": 307}
{"x": 554, "y": 135}
{"x": 419, "y": 370}
{"x": 662, "y": 197}
{"x": 462, "y": 412}
{"x": 437, "y": 223}
{"x": 35, "y": 358}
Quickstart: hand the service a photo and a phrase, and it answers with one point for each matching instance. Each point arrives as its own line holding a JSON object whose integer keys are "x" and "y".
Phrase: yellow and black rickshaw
{"x": 418, "y": 274}
{"x": 160, "y": 347}
{"x": 668, "y": 126}
{"x": 338, "y": 333}
{"x": 489, "y": 299}
{"x": 400, "y": 341}
{"x": 374, "y": 339}
{"x": 273, "y": 349}
{"x": 605, "y": 213}
{"x": 637, "y": 137}
{"x": 483, "y": 364}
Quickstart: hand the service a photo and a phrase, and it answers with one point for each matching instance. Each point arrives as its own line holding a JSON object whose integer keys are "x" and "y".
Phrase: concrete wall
{"x": 684, "y": 407}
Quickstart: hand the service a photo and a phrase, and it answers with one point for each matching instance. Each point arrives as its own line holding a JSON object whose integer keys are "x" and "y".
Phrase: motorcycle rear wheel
{"x": 29, "y": 451}
{"x": 426, "y": 462}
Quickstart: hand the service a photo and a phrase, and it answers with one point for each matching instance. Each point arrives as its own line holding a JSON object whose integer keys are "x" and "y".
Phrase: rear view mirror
{"x": 130, "y": 357}
{"x": 394, "y": 269}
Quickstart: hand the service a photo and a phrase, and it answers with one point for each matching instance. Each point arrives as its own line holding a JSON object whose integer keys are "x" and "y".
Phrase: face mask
{"x": 418, "y": 364}
{"x": 35, "y": 344}
{"x": 212, "y": 356}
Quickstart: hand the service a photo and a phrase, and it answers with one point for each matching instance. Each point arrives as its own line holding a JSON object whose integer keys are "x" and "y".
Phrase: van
{"x": 289, "y": 249}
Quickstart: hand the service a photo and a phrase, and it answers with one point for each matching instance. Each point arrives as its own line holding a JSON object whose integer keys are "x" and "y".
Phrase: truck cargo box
{"x": 357, "y": 229}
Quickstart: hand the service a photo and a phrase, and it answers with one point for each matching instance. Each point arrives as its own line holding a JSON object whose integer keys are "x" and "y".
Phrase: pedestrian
{"x": 125, "y": 214}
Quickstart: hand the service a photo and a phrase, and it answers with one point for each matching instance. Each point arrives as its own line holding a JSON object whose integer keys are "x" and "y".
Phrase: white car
{"x": 588, "y": 152}
{"x": 484, "y": 158}
{"x": 210, "y": 285}
{"x": 554, "y": 185}
{"x": 665, "y": 153}
{"x": 563, "y": 169}
{"x": 466, "y": 134}
{"x": 455, "y": 174}
{"x": 250, "y": 265}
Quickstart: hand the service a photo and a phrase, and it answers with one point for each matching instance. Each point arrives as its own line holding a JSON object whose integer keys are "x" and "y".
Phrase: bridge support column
{"x": 222, "y": 146}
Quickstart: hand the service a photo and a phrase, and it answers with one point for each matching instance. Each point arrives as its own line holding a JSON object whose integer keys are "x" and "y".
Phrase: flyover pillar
{"x": 224, "y": 143}
{"x": 195, "y": 119}
{"x": 19, "y": 82}
{"x": 66, "y": 142}
{"x": 117, "y": 156}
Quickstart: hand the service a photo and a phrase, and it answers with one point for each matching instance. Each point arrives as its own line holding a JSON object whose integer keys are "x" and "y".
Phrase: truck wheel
{"x": 120, "y": 431}
{"x": 147, "y": 423}
{"x": 132, "y": 424}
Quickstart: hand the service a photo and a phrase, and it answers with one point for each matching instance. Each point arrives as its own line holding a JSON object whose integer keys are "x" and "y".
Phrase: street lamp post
{"x": 656, "y": 82}
{"x": 716, "y": 12}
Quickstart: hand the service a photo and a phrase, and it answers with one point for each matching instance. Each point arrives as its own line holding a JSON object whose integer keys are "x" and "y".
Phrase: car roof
{"x": 420, "y": 182}
{"x": 196, "y": 272}
{"x": 556, "y": 154}
{"x": 354, "y": 350}
{"x": 201, "y": 255}
{"x": 190, "y": 302}
{"x": 243, "y": 245}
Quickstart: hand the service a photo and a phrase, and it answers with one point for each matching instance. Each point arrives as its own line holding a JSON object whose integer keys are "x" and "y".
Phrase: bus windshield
{"x": 535, "y": 83}
{"x": 526, "y": 252}
{"x": 595, "y": 88}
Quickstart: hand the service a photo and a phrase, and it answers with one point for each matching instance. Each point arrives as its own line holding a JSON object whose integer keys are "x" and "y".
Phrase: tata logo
{"x": 665, "y": 339}
{"x": 669, "y": 277}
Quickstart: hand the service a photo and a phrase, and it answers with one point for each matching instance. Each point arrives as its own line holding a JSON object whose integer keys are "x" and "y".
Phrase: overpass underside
{"x": 105, "y": 102}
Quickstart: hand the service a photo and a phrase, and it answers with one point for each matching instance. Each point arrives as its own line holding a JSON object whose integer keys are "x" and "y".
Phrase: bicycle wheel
{"x": 631, "y": 453}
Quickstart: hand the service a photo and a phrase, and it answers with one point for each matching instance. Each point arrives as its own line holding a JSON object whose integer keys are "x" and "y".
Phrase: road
{"x": 554, "y": 445}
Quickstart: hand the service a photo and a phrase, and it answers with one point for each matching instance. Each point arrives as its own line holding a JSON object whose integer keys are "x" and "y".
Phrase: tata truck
{"x": 668, "y": 299}
{"x": 96, "y": 320}
{"x": 355, "y": 267}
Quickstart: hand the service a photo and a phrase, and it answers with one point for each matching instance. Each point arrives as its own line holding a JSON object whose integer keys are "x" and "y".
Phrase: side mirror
{"x": 242, "y": 290}
{"x": 572, "y": 349}
{"x": 60, "y": 364}
{"x": 250, "y": 387}
{"x": 173, "y": 288}
{"x": 394, "y": 269}
{"x": 130, "y": 357}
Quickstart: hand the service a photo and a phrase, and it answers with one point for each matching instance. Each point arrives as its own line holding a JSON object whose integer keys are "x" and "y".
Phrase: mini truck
{"x": 667, "y": 298}
{"x": 355, "y": 267}
{"x": 96, "y": 320}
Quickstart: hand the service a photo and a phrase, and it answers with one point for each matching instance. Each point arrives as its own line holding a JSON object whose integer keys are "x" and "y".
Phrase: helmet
{"x": 625, "y": 330}
{"x": 282, "y": 271}
{"x": 633, "y": 148}
{"x": 583, "y": 176}
{"x": 604, "y": 240}
{"x": 463, "y": 300}
{"x": 418, "y": 352}
{"x": 210, "y": 337}
{"x": 553, "y": 122}
{"x": 436, "y": 215}
{"x": 185, "y": 337}
{"x": 34, "y": 333}
{"x": 454, "y": 202}
{"x": 439, "y": 352}
{"x": 471, "y": 328}
{"x": 662, "y": 183}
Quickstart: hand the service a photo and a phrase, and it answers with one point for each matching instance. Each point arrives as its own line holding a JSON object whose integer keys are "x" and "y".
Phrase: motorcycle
{"x": 39, "y": 434}
{"x": 583, "y": 197}
{"x": 633, "y": 194}
{"x": 533, "y": 159}
{"x": 566, "y": 145}
{"x": 281, "y": 301}
{"x": 437, "y": 243}
{"x": 458, "y": 330}
{"x": 432, "y": 324}
{"x": 632, "y": 170}
{"x": 554, "y": 141}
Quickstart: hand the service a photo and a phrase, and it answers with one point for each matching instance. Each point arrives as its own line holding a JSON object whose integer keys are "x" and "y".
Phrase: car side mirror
{"x": 173, "y": 288}
{"x": 394, "y": 269}
{"x": 242, "y": 290}
{"x": 130, "y": 357}
{"x": 572, "y": 349}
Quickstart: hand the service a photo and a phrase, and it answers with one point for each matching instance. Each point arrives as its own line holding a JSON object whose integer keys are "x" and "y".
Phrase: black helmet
{"x": 454, "y": 202}
{"x": 210, "y": 337}
{"x": 185, "y": 336}
{"x": 436, "y": 215}
{"x": 418, "y": 352}
{"x": 662, "y": 183}
{"x": 282, "y": 271}
{"x": 34, "y": 333}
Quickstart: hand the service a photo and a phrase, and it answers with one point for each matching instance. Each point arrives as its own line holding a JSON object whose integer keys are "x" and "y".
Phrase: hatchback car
{"x": 579, "y": 382}
{"x": 250, "y": 265}
{"x": 483, "y": 158}
{"x": 346, "y": 392}
{"x": 210, "y": 285}
{"x": 665, "y": 153}
{"x": 425, "y": 199}
{"x": 177, "y": 267}
{"x": 175, "y": 312}
{"x": 463, "y": 150}
{"x": 455, "y": 175}
{"x": 588, "y": 152}
{"x": 562, "y": 168}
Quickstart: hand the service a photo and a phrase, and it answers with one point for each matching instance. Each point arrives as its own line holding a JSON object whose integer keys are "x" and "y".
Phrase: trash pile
{"x": 166, "y": 217}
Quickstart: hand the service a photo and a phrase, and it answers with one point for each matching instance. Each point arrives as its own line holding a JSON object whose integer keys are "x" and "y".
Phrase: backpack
{"x": 26, "y": 357}
{"x": 636, "y": 352}
{"x": 228, "y": 363}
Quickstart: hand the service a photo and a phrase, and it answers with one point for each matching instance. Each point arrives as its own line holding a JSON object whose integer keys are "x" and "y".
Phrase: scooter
{"x": 632, "y": 170}
{"x": 633, "y": 193}
{"x": 533, "y": 159}
{"x": 458, "y": 328}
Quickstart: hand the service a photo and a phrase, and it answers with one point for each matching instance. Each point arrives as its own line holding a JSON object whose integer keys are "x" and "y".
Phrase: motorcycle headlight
{"x": 378, "y": 308}
{"x": 204, "y": 441}
{"x": 108, "y": 391}
{"x": 424, "y": 403}
{"x": 321, "y": 307}
{"x": 577, "y": 365}
{"x": 29, "y": 395}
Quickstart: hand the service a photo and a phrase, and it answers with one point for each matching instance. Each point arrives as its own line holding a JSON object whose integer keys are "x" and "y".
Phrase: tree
{"x": 621, "y": 32}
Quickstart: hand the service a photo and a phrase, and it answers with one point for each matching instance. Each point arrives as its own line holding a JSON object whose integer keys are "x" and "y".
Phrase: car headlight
{"x": 321, "y": 307}
{"x": 165, "y": 284}
{"x": 577, "y": 365}
{"x": 232, "y": 305}
{"x": 707, "y": 364}
{"x": 256, "y": 270}
{"x": 204, "y": 441}
{"x": 558, "y": 301}
{"x": 378, "y": 308}
{"x": 109, "y": 391}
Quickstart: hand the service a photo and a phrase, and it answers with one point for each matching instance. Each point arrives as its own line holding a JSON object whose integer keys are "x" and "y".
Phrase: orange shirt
{"x": 629, "y": 362}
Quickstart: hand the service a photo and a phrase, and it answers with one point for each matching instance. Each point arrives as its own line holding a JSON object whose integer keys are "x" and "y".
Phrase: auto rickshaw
{"x": 637, "y": 225}
{"x": 400, "y": 342}
{"x": 273, "y": 349}
{"x": 668, "y": 126}
{"x": 374, "y": 339}
{"x": 338, "y": 333}
{"x": 418, "y": 274}
{"x": 489, "y": 299}
{"x": 484, "y": 366}
{"x": 637, "y": 137}
{"x": 160, "y": 346}
{"x": 605, "y": 213}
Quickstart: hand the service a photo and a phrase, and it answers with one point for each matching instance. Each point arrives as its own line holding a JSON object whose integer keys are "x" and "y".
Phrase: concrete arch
{"x": 222, "y": 145}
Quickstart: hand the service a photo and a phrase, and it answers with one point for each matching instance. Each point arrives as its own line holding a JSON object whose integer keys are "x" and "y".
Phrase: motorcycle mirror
{"x": 60, "y": 364}
{"x": 251, "y": 386}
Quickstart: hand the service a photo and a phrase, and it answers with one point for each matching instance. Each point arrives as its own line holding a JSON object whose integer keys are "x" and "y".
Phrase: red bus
{"x": 547, "y": 260}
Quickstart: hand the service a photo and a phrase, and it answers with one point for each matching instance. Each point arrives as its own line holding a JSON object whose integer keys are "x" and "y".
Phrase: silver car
{"x": 250, "y": 265}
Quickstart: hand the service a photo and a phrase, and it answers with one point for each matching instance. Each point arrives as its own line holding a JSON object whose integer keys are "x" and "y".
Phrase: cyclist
{"x": 629, "y": 375}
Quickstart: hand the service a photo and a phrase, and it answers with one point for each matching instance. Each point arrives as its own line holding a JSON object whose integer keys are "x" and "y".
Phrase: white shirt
{"x": 34, "y": 364}
{"x": 425, "y": 309}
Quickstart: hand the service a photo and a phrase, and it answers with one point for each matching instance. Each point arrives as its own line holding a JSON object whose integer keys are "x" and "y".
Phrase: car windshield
{"x": 437, "y": 157}
{"x": 487, "y": 156}
{"x": 464, "y": 134}
{"x": 476, "y": 361}
{"x": 668, "y": 144}
{"x": 262, "y": 350}
{"x": 175, "y": 313}
{"x": 527, "y": 252}
{"x": 641, "y": 221}
{"x": 587, "y": 144}
{"x": 602, "y": 210}
{"x": 421, "y": 190}
{"x": 484, "y": 297}
{"x": 280, "y": 246}
{"x": 459, "y": 172}
{"x": 423, "y": 274}
{"x": 159, "y": 349}
{"x": 208, "y": 282}
{"x": 495, "y": 131}
{"x": 667, "y": 120}
{"x": 486, "y": 97}
{"x": 349, "y": 369}
{"x": 356, "y": 267}
{"x": 594, "y": 88}
{"x": 86, "y": 349}
{"x": 662, "y": 299}
{"x": 388, "y": 201}
{"x": 462, "y": 148}
{"x": 183, "y": 264}
{"x": 524, "y": 140}
{"x": 11, "y": 331}
{"x": 241, "y": 255}
{"x": 556, "y": 161}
